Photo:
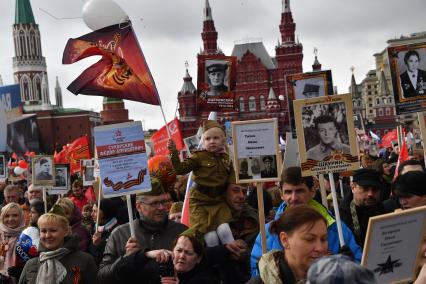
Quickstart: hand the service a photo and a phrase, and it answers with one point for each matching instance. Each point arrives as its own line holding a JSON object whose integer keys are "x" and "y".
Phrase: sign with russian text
{"x": 256, "y": 150}
{"x": 393, "y": 245}
{"x": 122, "y": 159}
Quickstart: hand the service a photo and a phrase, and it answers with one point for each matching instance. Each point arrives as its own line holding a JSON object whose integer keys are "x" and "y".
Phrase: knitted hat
{"x": 156, "y": 188}
{"x": 176, "y": 207}
{"x": 410, "y": 183}
{"x": 339, "y": 269}
{"x": 210, "y": 124}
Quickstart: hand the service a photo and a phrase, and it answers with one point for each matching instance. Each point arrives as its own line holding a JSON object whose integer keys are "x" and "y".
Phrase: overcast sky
{"x": 346, "y": 32}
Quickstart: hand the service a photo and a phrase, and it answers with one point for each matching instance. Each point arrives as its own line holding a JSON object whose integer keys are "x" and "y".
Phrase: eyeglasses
{"x": 157, "y": 203}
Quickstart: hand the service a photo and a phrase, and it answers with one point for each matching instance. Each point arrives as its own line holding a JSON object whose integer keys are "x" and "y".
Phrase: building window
{"x": 390, "y": 100}
{"x": 262, "y": 102}
{"x": 252, "y": 103}
{"x": 241, "y": 104}
{"x": 384, "y": 100}
{"x": 377, "y": 101}
{"x": 380, "y": 112}
{"x": 388, "y": 112}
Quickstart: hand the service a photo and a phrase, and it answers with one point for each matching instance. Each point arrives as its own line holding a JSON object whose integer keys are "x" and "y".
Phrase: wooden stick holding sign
{"x": 421, "y": 118}
{"x": 323, "y": 191}
{"x": 261, "y": 210}
{"x": 257, "y": 158}
{"x": 336, "y": 209}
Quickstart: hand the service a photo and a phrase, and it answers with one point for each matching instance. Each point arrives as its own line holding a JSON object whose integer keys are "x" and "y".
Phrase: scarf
{"x": 108, "y": 226}
{"x": 150, "y": 226}
{"x": 9, "y": 232}
{"x": 51, "y": 271}
{"x": 9, "y": 238}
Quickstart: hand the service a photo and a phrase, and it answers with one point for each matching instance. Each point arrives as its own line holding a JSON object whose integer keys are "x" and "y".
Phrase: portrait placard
{"x": 291, "y": 154}
{"x": 359, "y": 124}
{"x": 216, "y": 83}
{"x": 122, "y": 159}
{"x": 392, "y": 245}
{"x": 88, "y": 171}
{"x": 3, "y": 166}
{"x": 256, "y": 150}
{"x": 191, "y": 143}
{"x": 325, "y": 136}
{"x": 408, "y": 72}
{"x": 62, "y": 179}
{"x": 43, "y": 169}
{"x": 306, "y": 86}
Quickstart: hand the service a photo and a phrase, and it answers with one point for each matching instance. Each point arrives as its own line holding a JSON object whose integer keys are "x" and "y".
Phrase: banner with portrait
{"x": 43, "y": 170}
{"x": 308, "y": 85}
{"x": 256, "y": 151}
{"x": 216, "y": 83}
{"x": 326, "y": 135}
{"x": 62, "y": 179}
{"x": 408, "y": 72}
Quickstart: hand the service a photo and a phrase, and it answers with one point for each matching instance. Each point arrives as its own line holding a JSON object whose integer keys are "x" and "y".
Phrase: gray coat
{"x": 160, "y": 238}
{"x": 75, "y": 259}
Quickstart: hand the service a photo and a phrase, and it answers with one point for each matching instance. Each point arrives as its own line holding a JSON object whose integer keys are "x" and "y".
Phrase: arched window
{"x": 377, "y": 101}
{"x": 390, "y": 100}
{"x": 21, "y": 43}
{"x": 252, "y": 103}
{"x": 384, "y": 100}
{"x": 388, "y": 111}
{"x": 380, "y": 112}
{"x": 241, "y": 103}
{"x": 262, "y": 102}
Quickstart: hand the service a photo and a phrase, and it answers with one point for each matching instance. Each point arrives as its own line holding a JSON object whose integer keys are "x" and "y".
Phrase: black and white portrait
{"x": 3, "y": 172}
{"x": 412, "y": 70}
{"x": 358, "y": 123}
{"x": 61, "y": 176}
{"x": 325, "y": 130}
{"x": 269, "y": 167}
{"x": 43, "y": 170}
{"x": 217, "y": 77}
{"x": 191, "y": 143}
{"x": 88, "y": 171}
{"x": 244, "y": 169}
{"x": 311, "y": 85}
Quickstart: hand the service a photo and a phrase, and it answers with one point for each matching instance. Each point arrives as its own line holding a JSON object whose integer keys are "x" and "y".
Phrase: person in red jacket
{"x": 77, "y": 194}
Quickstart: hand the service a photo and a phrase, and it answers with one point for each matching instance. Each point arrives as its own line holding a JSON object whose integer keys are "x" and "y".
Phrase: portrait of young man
{"x": 44, "y": 169}
{"x": 216, "y": 73}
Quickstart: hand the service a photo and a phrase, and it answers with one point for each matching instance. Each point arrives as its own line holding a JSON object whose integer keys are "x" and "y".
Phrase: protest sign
{"x": 122, "y": 159}
{"x": 393, "y": 244}
{"x": 326, "y": 135}
{"x": 256, "y": 150}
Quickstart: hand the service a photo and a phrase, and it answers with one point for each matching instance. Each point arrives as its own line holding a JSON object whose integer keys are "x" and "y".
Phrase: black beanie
{"x": 410, "y": 183}
{"x": 108, "y": 208}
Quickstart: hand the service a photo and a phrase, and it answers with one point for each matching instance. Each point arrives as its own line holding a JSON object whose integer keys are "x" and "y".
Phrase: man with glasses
{"x": 124, "y": 255}
{"x": 297, "y": 190}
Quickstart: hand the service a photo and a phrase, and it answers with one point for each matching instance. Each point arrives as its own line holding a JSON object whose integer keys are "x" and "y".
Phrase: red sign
{"x": 160, "y": 138}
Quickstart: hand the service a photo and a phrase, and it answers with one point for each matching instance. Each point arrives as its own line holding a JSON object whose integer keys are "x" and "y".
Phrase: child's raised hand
{"x": 171, "y": 145}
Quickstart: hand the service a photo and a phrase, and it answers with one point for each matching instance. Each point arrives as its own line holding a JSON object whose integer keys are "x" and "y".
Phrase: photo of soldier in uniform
{"x": 244, "y": 168}
{"x": 61, "y": 176}
{"x": 43, "y": 170}
{"x": 216, "y": 77}
{"x": 191, "y": 143}
{"x": 2, "y": 166}
{"x": 269, "y": 167}
{"x": 325, "y": 130}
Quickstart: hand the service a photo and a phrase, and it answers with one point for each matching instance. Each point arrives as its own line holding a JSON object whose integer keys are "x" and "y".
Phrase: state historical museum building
{"x": 261, "y": 90}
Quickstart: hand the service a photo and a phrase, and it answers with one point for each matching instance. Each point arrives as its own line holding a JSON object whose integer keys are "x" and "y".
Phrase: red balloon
{"x": 13, "y": 164}
{"x": 161, "y": 167}
{"x": 23, "y": 164}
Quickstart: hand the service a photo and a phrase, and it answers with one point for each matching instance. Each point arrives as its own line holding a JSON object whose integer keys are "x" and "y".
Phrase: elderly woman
{"x": 11, "y": 226}
{"x": 60, "y": 259}
{"x": 303, "y": 234}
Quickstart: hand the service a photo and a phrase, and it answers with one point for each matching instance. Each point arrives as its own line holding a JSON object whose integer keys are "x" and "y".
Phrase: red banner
{"x": 122, "y": 72}
{"x": 403, "y": 156}
{"x": 388, "y": 138}
{"x": 160, "y": 138}
{"x": 73, "y": 153}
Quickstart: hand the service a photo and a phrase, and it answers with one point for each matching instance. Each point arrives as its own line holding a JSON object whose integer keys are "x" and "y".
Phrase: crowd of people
{"x": 75, "y": 239}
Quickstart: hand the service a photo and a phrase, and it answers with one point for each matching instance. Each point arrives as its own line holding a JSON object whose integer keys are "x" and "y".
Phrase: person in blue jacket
{"x": 296, "y": 190}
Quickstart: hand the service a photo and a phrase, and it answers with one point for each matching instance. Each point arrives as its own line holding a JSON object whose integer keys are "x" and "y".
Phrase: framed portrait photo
{"x": 407, "y": 64}
{"x": 191, "y": 143}
{"x": 62, "y": 179}
{"x": 3, "y": 166}
{"x": 326, "y": 135}
{"x": 216, "y": 83}
{"x": 359, "y": 124}
{"x": 43, "y": 170}
{"x": 393, "y": 244}
{"x": 256, "y": 150}
{"x": 88, "y": 171}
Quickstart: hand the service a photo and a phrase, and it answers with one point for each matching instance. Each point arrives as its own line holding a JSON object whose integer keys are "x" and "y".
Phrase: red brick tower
{"x": 114, "y": 111}
{"x": 209, "y": 34}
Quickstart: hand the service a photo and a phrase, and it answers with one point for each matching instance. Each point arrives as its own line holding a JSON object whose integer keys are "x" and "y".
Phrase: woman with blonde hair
{"x": 11, "y": 225}
{"x": 60, "y": 259}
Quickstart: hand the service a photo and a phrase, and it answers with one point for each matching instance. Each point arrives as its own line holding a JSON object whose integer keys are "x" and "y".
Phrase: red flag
{"x": 160, "y": 138}
{"x": 388, "y": 138}
{"x": 403, "y": 156}
{"x": 61, "y": 157}
{"x": 78, "y": 150}
{"x": 122, "y": 72}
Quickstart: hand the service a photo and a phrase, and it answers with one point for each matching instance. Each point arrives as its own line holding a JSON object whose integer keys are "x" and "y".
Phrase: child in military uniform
{"x": 211, "y": 167}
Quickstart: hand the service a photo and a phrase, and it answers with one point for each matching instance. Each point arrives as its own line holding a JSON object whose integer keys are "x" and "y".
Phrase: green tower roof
{"x": 23, "y": 12}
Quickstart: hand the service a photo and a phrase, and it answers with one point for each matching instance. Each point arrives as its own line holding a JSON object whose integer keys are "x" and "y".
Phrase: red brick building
{"x": 261, "y": 79}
